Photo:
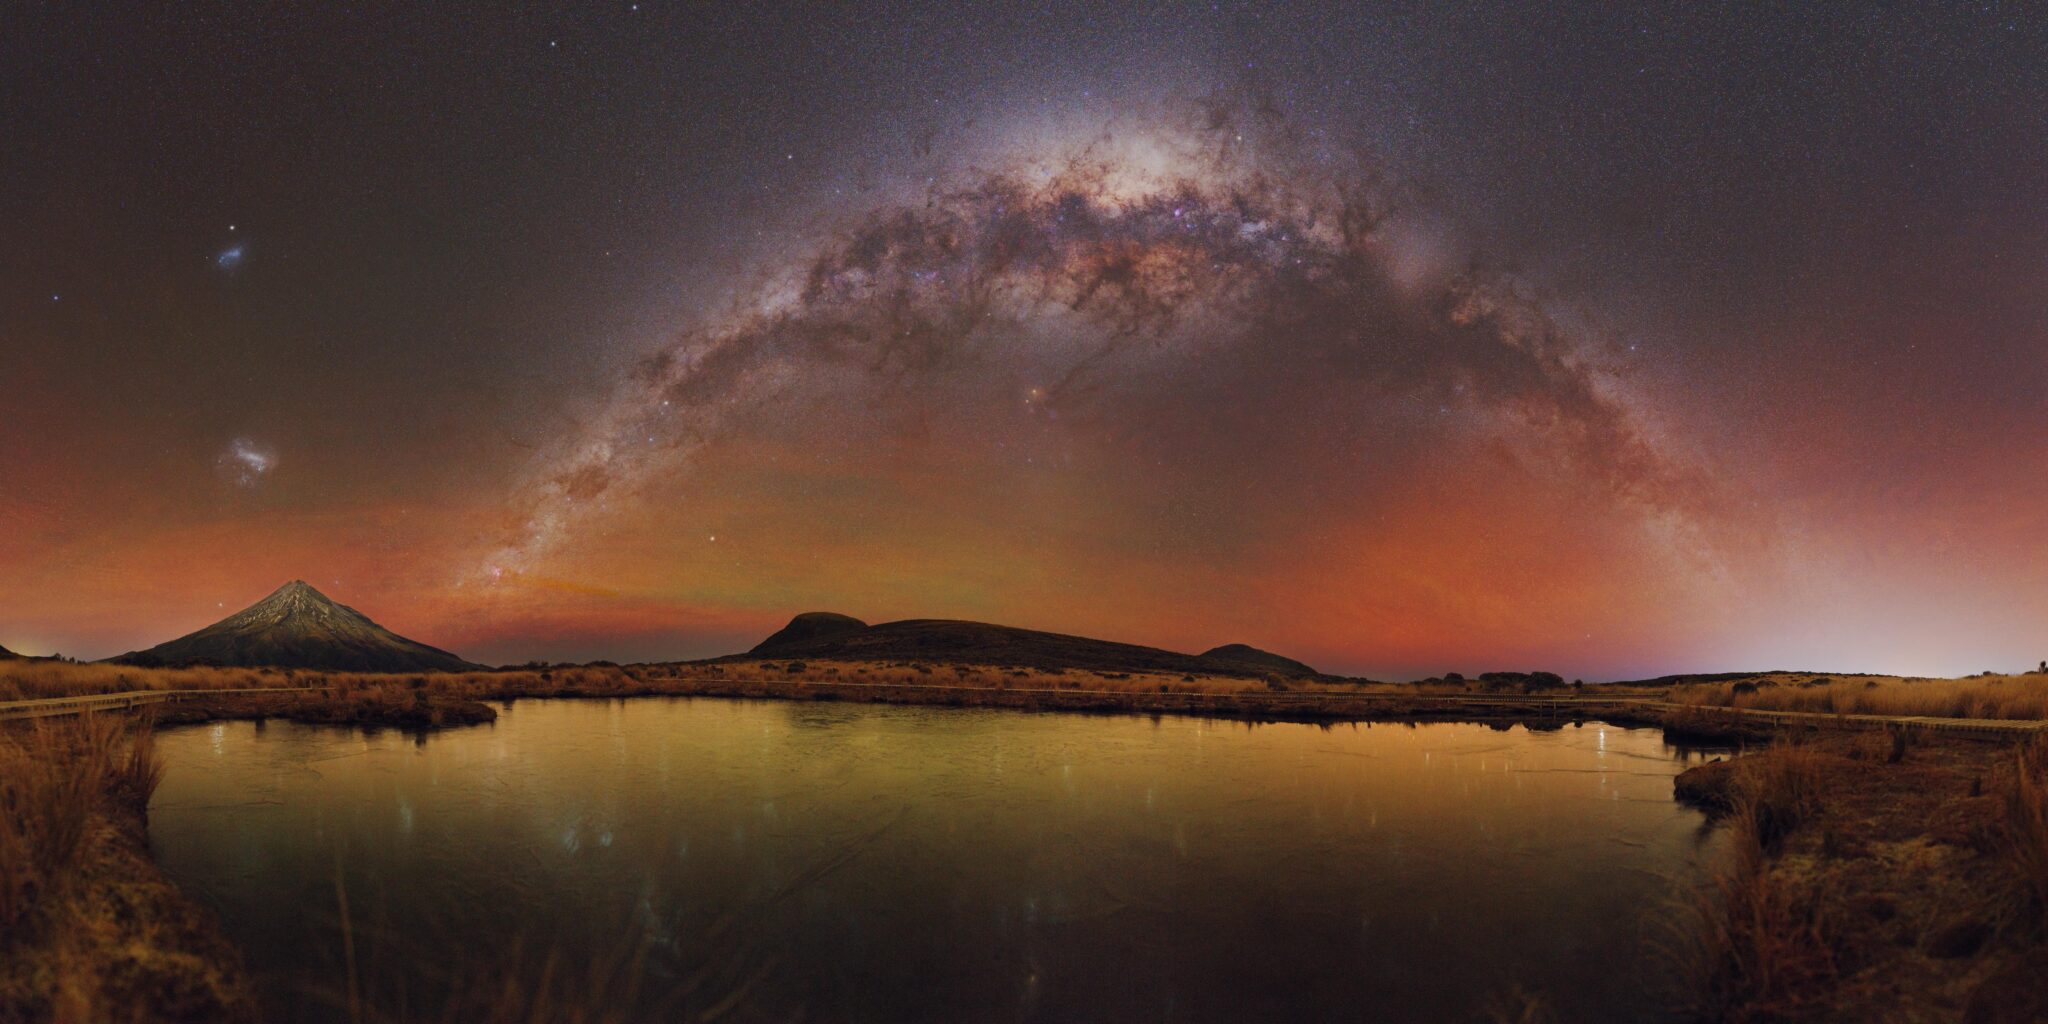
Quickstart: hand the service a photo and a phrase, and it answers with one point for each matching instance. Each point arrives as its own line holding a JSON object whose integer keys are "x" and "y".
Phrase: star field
{"x": 1612, "y": 339}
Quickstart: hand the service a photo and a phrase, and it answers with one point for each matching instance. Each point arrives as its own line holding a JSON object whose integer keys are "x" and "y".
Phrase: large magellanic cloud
{"x": 1212, "y": 232}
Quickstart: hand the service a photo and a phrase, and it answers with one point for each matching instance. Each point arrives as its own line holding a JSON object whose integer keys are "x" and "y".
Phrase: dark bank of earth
{"x": 410, "y": 710}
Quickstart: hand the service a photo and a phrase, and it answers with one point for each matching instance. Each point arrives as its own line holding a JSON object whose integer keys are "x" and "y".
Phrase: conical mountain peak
{"x": 296, "y": 594}
{"x": 298, "y": 589}
{"x": 300, "y": 627}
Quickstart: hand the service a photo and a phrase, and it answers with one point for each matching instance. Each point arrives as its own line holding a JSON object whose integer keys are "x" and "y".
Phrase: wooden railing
{"x": 49, "y": 707}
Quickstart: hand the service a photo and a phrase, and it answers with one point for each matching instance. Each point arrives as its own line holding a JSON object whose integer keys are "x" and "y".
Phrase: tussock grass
{"x": 1516, "y": 1005}
{"x": 509, "y": 985}
{"x": 27, "y": 679}
{"x": 20, "y": 680}
{"x": 89, "y": 930}
{"x": 660, "y": 959}
{"x": 1696, "y": 720}
{"x": 57, "y": 780}
{"x": 1762, "y": 946}
{"x": 37, "y": 679}
{"x": 1756, "y": 946}
{"x": 1996, "y": 697}
{"x": 431, "y": 700}
{"x": 1777, "y": 792}
{"x": 2024, "y": 835}
{"x": 30, "y": 680}
{"x": 1888, "y": 746}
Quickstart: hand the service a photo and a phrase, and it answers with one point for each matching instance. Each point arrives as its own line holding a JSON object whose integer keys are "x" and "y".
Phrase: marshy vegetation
{"x": 429, "y": 700}
{"x": 1875, "y": 876}
{"x": 1881, "y": 872}
{"x": 38, "y": 678}
{"x": 2006, "y": 697}
{"x": 90, "y": 930}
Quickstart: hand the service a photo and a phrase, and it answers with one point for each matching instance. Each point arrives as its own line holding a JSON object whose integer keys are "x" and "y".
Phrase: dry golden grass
{"x": 1873, "y": 879}
{"x": 37, "y": 679}
{"x": 1758, "y": 948}
{"x": 1998, "y": 697}
{"x": 509, "y": 985}
{"x": 2024, "y": 834}
{"x": 89, "y": 929}
{"x": 31, "y": 679}
{"x": 1888, "y": 745}
{"x": 1764, "y": 944}
{"x": 25, "y": 680}
{"x": 1515, "y": 1005}
{"x": 377, "y": 701}
{"x": 436, "y": 699}
{"x": 1778, "y": 791}
{"x": 56, "y": 779}
{"x": 28, "y": 680}
{"x": 91, "y": 932}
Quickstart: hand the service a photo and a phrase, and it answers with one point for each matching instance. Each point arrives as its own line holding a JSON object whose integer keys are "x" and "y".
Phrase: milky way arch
{"x": 1212, "y": 228}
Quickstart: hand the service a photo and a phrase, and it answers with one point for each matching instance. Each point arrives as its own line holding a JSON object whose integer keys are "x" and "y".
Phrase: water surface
{"x": 873, "y": 863}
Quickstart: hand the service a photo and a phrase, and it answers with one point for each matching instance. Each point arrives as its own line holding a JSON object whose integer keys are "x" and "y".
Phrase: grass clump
{"x": 1758, "y": 947}
{"x": 89, "y": 928}
{"x": 2024, "y": 836}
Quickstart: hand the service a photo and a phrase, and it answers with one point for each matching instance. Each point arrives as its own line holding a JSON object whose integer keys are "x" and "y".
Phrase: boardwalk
{"x": 1986, "y": 726}
{"x": 51, "y": 707}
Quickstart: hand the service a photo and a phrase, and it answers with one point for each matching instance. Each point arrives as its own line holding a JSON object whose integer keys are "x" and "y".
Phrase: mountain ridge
{"x": 297, "y": 626}
{"x": 828, "y": 636}
{"x": 1246, "y": 654}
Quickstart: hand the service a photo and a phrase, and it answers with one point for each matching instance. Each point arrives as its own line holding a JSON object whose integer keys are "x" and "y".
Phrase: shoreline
{"x": 425, "y": 702}
{"x": 1876, "y": 876}
{"x": 438, "y": 715}
{"x": 1872, "y": 824}
{"x": 423, "y": 713}
{"x": 91, "y": 929}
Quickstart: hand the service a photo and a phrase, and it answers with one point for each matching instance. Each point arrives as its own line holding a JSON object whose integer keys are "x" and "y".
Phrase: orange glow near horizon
{"x": 1184, "y": 373}
{"x": 1470, "y": 571}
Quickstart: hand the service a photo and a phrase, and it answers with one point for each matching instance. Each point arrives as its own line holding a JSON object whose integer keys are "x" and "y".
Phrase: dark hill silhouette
{"x": 808, "y": 627}
{"x": 299, "y": 627}
{"x": 1263, "y": 661}
{"x": 5, "y": 654}
{"x": 824, "y": 636}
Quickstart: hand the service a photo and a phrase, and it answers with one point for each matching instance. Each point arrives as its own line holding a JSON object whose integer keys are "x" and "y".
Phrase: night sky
{"x": 1398, "y": 339}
